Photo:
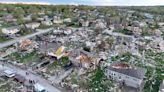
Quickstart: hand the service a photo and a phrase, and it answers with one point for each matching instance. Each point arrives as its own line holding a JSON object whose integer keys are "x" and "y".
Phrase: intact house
{"x": 83, "y": 23}
{"x": 67, "y": 20}
{"x": 57, "y": 20}
{"x": 33, "y": 25}
{"x": 9, "y": 18}
{"x": 126, "y": 74}
{"x": 27, "y": 18}
{"x": 10, "y": 30}
{"x": 47, "y": 22}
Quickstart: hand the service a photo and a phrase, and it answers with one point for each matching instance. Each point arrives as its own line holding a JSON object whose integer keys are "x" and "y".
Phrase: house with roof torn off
{"x": 126, "y": 74}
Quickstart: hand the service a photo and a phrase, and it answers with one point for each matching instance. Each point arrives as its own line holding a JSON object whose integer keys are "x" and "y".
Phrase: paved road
{"x": 8, "y": 52}
{"x": 31, "y": 76}
{"x": 128, "y": 36}
{"x": 40, "y": 31}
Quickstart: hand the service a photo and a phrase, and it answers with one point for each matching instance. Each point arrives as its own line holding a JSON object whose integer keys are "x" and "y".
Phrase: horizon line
{"x": 75, "y": 4}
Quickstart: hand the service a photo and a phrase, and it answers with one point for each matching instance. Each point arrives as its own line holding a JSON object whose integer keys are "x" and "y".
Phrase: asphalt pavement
{"x": 18, "y": 39}
{"x": 31, "y": 76}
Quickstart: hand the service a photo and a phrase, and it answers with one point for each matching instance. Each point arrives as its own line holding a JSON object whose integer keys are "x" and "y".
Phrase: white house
{"x": 27, "y": 18}
{"x": 67, "y": 20}
{"x": 47, "y": 22}
{"x": 100, "y": 24}
{"x": 58, "y": 31}
{"x": 40, "y": 19}
{"x": 10, "y": 30}
{"x": 126, "y": 74}
{"x": 142, "y": 24}
{"x": 57, "y": 20}
{"x": 161, "y": 23}
{"x": 67, "y": 31}
{"x": 84, "y": 23}
{"x": 33, "y": 25}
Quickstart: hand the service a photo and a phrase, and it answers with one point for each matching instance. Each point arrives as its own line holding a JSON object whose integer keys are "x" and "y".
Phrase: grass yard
{"x": 124, "y": 31}
{"x": 33, "y": 56}
{"x": 3, "y": 39}
{"x": 58, "y": 63}
{"x": 5, "y": 88}
{"x": 125, "y": 57}
{"x": 99, "y": 82}
{"x": 154, "y": 76}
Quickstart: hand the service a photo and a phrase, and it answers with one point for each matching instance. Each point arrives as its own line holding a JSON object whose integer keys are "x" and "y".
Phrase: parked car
{"x": 39, "y": 88}
{"x": 9, "y": 73}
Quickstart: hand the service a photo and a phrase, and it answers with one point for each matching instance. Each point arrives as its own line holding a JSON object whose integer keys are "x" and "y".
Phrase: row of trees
{"x": 150, "y": 9}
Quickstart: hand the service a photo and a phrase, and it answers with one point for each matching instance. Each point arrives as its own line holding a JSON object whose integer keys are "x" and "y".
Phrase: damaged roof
{"x": 128, "y": 70}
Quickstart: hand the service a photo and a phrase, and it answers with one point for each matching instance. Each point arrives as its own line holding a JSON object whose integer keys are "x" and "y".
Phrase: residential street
{"x": 31, "y": 76}
{"x": 8, "y": 43}
{"x": 81, "y": 46}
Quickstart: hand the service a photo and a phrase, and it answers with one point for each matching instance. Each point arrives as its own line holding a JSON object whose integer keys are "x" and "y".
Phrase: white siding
{"x": 129, "y": 81}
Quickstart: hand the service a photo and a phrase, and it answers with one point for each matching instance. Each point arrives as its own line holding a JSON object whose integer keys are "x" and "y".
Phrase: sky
{"x": 97, "y": 2}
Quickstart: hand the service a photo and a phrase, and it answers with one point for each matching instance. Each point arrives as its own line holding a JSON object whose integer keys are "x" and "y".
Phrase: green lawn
{"x": 33, "y": 56}
{"x": 91, "y": 80}
{"x": 124, "y": 31}
{"x": 24, "y": 32}
{"x": 74, "y": 26}
{"x": 5, "y": 88}
{"x": 156, "y": 77}
{"x": 3, "y": 39}
{"x": 58, "y": 63}
{"x": 98, "y": 81}
{"x": 2, "y": 13}
{"x": 124, "y": 57}
{"x": 8, "y": 86}
{"x": 30, "y": 57}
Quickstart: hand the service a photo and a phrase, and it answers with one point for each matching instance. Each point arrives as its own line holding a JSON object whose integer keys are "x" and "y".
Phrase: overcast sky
{"x": 96, "y": 2}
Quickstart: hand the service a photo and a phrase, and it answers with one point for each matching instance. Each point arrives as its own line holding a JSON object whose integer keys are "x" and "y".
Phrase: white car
{"x": 39, "y": 88}
{"x": 9, "y": 73}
